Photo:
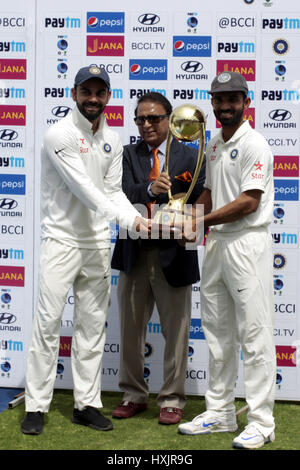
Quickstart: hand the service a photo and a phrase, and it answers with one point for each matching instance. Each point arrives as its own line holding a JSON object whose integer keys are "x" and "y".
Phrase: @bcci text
{"x": 174, "y": 224}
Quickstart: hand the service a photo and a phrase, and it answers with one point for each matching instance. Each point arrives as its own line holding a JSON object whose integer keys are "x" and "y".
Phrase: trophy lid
{"x": 186, "y": 122}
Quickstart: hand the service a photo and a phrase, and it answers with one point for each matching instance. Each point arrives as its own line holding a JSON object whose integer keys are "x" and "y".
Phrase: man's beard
{"x": 90, "y": 116}
{"x": 232, "y": 121}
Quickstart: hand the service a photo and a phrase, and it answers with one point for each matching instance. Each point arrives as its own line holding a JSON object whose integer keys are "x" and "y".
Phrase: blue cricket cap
{"x": 92, "y": 71}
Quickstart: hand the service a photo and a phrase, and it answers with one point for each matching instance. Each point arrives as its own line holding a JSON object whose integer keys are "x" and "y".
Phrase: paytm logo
{"x": 14, "y": 162}
{"x": 187, "y": 46}
{"x": 63, "y": 23}
{"x": 13, "y": 93}
{"x": 286, "y": 190}
{"x": 196, "y": 331}
{"x": 105, "y": 22}
{"x": 284, "y": 238}
{"x": 281, "y": 95}
{"x": 281, "y": 23}
{"x": 12, "y": 46}
{"x": 241, "y": 47}
{"x": 143, "y": 69}
{"x": 12, "y": 184}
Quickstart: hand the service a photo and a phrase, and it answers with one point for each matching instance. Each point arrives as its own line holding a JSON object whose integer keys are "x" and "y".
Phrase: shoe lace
{"x": 170, "y": 409}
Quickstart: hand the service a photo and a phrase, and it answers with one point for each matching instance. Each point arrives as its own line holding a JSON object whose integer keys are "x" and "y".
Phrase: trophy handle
{"x": 167, "y": 159}
{"x": 199, "y": 163}
{"x": 187, "y": 123}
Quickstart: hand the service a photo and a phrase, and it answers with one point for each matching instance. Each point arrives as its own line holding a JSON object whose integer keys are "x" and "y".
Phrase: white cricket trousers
{"x": 88, "y": 272}
{"x": 237, "y": 309}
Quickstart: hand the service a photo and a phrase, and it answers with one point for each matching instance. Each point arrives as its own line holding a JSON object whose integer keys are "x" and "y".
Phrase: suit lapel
{"x": 144, "y": 159}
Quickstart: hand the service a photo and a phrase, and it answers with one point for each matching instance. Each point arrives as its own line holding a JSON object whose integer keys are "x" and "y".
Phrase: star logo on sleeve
{"x": 257, "y": 171}
{"x": 258, "y": 166}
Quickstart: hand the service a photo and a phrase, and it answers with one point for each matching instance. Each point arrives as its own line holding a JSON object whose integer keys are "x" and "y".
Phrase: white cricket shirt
{"x": 244, "y": 162}
{"x": 81, "y": 183}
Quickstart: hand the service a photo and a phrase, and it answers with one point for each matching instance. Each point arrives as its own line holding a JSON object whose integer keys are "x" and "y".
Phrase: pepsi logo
{"x": 135, "y": 69}
{"x": 144, "y": 69}
{"x": 179, "y": 46}
{"x": 92, "y": 22}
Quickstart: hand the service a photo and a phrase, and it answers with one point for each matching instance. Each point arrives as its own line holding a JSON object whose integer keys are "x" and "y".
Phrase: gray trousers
{"x": 137, "y": 294}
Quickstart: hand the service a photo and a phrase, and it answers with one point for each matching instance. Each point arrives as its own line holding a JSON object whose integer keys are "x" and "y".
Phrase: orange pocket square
{"x": 186, "y": 177}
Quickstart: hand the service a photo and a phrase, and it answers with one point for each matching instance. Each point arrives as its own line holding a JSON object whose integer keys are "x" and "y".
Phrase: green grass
{"x": 139, "y": 433}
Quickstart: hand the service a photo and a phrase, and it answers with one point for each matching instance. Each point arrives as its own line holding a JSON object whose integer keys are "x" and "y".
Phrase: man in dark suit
{"x": 155, "y": 271}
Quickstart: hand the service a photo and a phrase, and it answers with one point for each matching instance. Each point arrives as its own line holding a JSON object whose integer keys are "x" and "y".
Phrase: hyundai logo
{"x": 8, "y": 134}
{"x": 7, "y": 318}
{"x": 149, "y": 19}
{"x": 8, "y": 204}
{"x": 60, "y": 111}
{"x": 280, "y": 115}
{"x": 191, "y": 66}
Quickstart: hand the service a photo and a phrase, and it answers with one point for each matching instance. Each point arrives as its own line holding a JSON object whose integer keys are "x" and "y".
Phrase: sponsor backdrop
{"x": 176, "y": 51}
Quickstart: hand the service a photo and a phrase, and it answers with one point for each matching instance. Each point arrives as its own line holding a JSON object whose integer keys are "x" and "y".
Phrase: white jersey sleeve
{"x": 63, "y": 154}
{"x": 256, "y": 165}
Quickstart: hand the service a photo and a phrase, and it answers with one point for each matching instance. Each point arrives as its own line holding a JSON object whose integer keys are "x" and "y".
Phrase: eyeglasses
{"x": 152, "y": 119}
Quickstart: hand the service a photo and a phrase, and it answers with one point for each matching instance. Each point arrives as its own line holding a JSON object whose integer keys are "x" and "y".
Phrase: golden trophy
{"x": 187, "y": 123}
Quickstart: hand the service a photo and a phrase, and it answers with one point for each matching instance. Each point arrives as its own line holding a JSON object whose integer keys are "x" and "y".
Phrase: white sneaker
{"x": 252, "y": 438}
{"x": 207, "y": 423}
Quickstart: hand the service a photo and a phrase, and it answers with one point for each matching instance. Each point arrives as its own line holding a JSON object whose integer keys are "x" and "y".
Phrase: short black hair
{"x": 156, "y": 97}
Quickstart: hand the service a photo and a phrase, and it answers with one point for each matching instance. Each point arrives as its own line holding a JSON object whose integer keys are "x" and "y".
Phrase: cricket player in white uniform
{"x": 81, "y": 181}
{"x": 237, "y": 304}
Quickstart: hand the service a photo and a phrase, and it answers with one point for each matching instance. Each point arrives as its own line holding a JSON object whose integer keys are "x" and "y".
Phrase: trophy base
{"x": 172, "y": 214}
{"x": 164, "y": 232}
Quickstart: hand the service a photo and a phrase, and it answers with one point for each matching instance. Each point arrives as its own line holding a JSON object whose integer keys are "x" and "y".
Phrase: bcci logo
{"x": 234, "y": 153}
{"x": 224, "y": 77}
{"x": 107, "y": 148}
{"x": 94, "y": 70}
{"x": 279, "y": 261}
{"x": 280, "y": 46}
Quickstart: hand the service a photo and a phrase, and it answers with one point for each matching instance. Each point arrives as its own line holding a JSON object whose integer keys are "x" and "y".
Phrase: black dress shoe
{"x": 33, "y": 423}
{"x": 92, "y": 418}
